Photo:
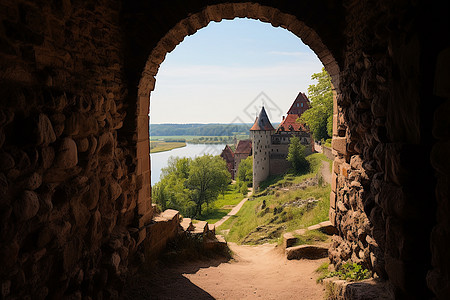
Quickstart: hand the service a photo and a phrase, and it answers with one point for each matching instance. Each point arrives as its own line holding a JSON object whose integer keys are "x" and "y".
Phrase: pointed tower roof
{"x": 262, "y": 122}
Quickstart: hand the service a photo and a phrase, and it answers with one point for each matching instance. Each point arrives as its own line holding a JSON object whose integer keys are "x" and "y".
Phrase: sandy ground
{"x": 256, "y": 272}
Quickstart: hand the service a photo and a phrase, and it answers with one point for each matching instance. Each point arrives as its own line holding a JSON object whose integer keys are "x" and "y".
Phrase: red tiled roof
{"x": 290, "y": 124}
{"x": 262, "y": 122}
{"x": 244, "y": 147}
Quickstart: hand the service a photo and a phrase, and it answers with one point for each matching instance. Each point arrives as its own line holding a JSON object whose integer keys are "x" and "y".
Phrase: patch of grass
{"x": 311, "y": 237}
{"x": 268, "y": 214}
{"x": 223, "y": 205}
{"x": 156, "y": 147}
{"x": 214, "y": 215}
{"x": 348, "y": 271}
{"x": 323, "y": 272}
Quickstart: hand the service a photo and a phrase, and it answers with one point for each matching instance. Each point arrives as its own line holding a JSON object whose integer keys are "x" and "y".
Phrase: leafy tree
{"x": 245, "y": 171}
{"x": 296, "y": 156}
{"x": 319, "y": 117}
{"x": 207, "y": 177}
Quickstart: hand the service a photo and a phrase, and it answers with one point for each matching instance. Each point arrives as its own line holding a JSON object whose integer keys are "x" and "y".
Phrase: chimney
{"x": 283, "y": 118}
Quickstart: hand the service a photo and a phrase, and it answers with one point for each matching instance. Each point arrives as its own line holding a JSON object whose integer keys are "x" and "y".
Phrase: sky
{"x": 226, "y": 71}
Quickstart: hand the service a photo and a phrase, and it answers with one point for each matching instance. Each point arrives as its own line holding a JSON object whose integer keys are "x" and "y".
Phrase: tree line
{"x": 199, "y": 129}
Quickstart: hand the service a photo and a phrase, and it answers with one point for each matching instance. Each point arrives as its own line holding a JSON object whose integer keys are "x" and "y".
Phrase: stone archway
{"x": 74, "y": 167}
{"x": 189, "y": 26}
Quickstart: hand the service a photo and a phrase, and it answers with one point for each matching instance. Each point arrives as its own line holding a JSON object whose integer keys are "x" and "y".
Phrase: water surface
{"x": 159, "y": 160}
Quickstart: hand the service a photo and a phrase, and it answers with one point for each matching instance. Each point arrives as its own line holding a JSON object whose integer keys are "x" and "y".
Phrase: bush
{"x": 350, "y": 272}
{"x": 243, "y": 189}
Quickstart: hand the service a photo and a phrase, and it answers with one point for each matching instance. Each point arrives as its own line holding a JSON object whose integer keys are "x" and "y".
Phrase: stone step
{"x": 186, "y": 224}
{"x": 289, "y": 240}
{"x": 328, "y": 228}
{"x": 221, "y": 239}
{"x": 212, "y": 228}
{"x": 200, "y": 227}
{"x": 314, "y": 227}
{"x": 307, "y": 252}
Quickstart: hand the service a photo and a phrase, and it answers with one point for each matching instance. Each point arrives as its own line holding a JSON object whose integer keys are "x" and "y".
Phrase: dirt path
{"x": 325, "y": 171}
{"x": 234, "y": 211}
{"x": 256, "y": 272}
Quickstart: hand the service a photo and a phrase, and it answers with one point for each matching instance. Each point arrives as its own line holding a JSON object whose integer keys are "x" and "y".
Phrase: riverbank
{"x": 157, "y": 146}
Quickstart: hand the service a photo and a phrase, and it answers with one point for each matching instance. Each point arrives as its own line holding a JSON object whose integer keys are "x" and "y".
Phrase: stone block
{"x": 328, "y": 228}
{"x": 314, "y": 227}
{"x": 67, "y": 154}
{"x": 289, "y": 240}
{"x": 335, "y": 125}
{"x": 145, "y": 219}
{"x": 300, "y": 231}
{"x": 332, "y": 199}
{"x": 143, "y": 165}
{"x": 306, "y": 251}
{"x": 186, "y": 224}
{"x": 212, "y": 228}
{"x": 332, "y": 216}
{"x": 201, "y": 227}
{"x": 142, "y": 234}
{"x": 345, "y": 170}
{"x": 333, "y": 181}
{"x": 142, "y": 129}
{"x": 142, "y": 148}
{"x": 171, "y": 214}
{"x": 339, "y": 144}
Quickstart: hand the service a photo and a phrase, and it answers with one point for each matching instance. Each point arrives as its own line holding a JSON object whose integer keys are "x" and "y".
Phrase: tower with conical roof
{"x": 261, "y": 133}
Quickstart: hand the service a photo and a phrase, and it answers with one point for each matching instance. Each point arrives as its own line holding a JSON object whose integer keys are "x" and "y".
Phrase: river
{"x": 159, "y": 160}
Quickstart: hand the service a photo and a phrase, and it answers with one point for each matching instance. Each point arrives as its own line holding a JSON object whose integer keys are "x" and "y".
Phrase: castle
{"x": 270, "y": 147}
{"x": 233, "y": 159}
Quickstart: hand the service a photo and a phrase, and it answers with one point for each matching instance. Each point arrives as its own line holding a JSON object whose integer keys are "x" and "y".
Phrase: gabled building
{"x": 228, "y": 155}
{"x": 271, "y": 146}
{"x": 243, "y": 150}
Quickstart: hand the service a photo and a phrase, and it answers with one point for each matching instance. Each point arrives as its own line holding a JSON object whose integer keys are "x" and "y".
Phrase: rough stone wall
{"x": 76, "y": 77}
{"x": 382, "y": 198}
{"x": 66, "y": 191}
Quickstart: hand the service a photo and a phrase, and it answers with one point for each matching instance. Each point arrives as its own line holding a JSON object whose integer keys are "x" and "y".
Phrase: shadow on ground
{"x": 167, "y": 281}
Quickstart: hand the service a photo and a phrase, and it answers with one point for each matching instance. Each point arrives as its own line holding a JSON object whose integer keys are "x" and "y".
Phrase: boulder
{"x": 26, "y": 206}
{"x": 44, "y": 131}
{"x": 6, "y": 161}
{"x": 33, "y": 181}
{"x": 67, "y": 155}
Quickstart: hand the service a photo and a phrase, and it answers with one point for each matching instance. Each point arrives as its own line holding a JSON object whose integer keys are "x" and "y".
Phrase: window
{"x": 302, "y": 105}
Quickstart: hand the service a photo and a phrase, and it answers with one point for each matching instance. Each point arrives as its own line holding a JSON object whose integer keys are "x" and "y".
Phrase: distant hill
{"x": 199, "y": 129}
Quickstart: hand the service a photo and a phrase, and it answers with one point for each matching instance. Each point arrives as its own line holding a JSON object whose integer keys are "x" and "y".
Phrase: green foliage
{"x": 323, "y": 272}
{"x": 222, "y": 205}
{"x": 296, "y": 156}
{"x": 199, "y": 129}
{"x": 243, "y": 189}
{"x": 319, "y": 117}
{"x": 348, "y": 271}
{"x": 268, "y": 214}
{"x": 186, "y": 184}
{"x": 208, "y": 175}
{"x": 245, "y": 171}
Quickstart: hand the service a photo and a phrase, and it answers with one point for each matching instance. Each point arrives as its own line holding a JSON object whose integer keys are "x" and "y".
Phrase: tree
{"x": 296, "y": 156}
{"x": 207, "y": 177}
{"x": 319, "y": 117}
{"x": 245, "y": 171}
